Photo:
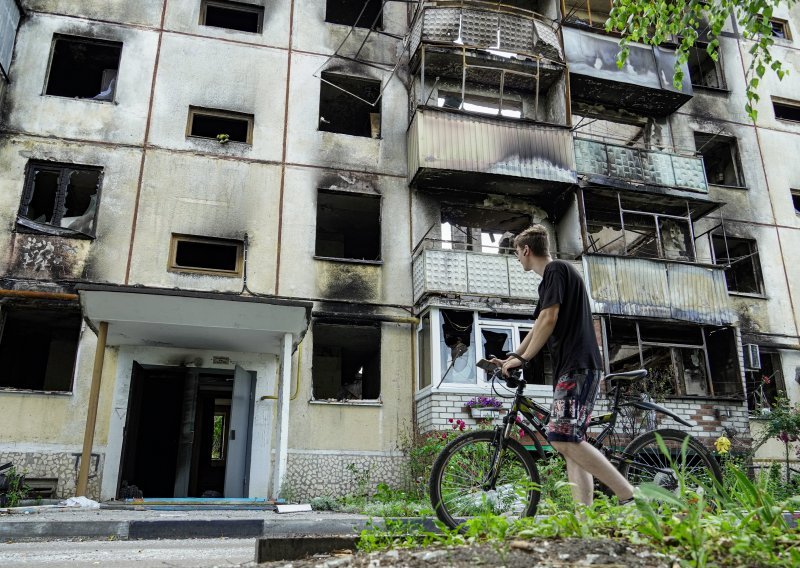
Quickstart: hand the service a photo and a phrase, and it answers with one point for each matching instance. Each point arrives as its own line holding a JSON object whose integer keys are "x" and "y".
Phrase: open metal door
{"x": 237, "y": 462}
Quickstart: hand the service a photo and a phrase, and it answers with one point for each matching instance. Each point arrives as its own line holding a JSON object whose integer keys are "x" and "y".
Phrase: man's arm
{"x": 536, "y": 338}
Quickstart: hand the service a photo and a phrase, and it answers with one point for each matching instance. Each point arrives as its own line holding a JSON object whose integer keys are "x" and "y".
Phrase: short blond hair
{"x": 535, "y": 237}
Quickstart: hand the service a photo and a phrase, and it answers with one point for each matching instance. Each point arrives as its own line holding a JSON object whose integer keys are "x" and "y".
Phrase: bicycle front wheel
{"x": 646, "y": 462}
{"x": 461, "y": 484}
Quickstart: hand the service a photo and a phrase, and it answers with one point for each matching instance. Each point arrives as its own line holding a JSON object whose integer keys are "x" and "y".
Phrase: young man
{"x": 564, "y": 323}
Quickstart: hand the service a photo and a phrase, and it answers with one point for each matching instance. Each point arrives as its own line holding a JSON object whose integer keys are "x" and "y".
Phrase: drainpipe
{"x": 91, "y": 414}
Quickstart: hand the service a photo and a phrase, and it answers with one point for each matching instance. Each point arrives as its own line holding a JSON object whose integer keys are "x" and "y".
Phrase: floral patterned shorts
{"x": 573, "y": 401}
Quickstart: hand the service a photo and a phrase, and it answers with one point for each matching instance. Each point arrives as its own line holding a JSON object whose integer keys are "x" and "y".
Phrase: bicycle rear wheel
{"x": 646, "y": 462}
{"x": 460, "y": 486}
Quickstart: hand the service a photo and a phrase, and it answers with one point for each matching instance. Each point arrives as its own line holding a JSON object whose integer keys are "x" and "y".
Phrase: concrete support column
{"x": 284, "y": 392}
{"x": 91, "y": 414}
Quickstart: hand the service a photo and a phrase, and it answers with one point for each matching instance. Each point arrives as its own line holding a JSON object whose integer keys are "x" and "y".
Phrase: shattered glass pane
{"x": 80, "y": 202}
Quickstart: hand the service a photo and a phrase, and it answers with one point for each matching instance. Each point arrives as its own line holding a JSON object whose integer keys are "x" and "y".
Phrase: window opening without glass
{"x": 720, "y": 158}
{"x": 346, "y": 362}
{"x": 346, "y": 105}
{"x": 62, "y": 196}
{"x": 786, "y": 110}
{"x": 682, "y": 360}
{"x": 210, "y": 123}
{"x": 796, "y": 200}
{"x": 765, "y": 385}
{"x": 743, "y": 267}
{"x": 220, "y": 257}
{"x": 232, "y": 16}
{"x": 38, "y": 348}
{"x": 348, "y": 226}
{"x": 359, "y": 13}
{"x": 703, "y": 70}
{"x": 83, "y": 68}
{"x": 780, "y": 28}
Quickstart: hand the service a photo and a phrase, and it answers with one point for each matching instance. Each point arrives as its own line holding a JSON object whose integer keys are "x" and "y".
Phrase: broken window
{"x": 796, "y": 200}
{"x": 348, "y": 225}
{"x": 786, "y": 110}
{"x": 743, "y": 268}
{"x": 60, "y": 195}
{"x": 207, "y": 255}
{"x": 358, "y": 13}
{"x": 592, "y": 13}
{"x": 720, "y": 158}
{"x": 232, "y": 16}
{"x": 492, "y": 106}
{"x": 780, "y": 28}
{"x": 346, "y": 105}
{"x": 38, "y": 348}
{"x": 347, "y": 361}
{"x": 83, "y": 68}
{"x": 610, "y": 130}
{"x": 457, "y": 348}
{"x": 625, "y": 231}
{"x": 480, "y": 229}
{"x": 703, "y": 70}
{"x": 221, "y": 125}
{"x": 765, "y": 385}
{"x": 681, "y": 360}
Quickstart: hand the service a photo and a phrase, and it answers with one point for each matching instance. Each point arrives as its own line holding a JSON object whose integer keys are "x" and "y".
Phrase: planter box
{"x": 484, "y": 413}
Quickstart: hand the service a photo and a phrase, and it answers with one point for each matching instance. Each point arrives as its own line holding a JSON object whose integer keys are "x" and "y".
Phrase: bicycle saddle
{"x": 628, "y": 376}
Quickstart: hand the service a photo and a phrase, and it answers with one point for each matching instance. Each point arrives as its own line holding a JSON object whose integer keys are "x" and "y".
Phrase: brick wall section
{"x": 712, "y": 418}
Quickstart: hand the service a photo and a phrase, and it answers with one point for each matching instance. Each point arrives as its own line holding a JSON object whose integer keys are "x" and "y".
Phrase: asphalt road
{"x": 123, "y": 553}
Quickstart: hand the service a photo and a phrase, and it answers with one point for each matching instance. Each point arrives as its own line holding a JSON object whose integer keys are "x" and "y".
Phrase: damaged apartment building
{"x": 250, "y": 248}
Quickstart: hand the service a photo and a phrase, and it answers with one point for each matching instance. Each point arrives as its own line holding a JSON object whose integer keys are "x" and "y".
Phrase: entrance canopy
{"x": 187, "y": 319}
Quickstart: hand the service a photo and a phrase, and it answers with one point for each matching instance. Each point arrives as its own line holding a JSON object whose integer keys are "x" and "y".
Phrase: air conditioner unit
{"x": 752, "y": 358}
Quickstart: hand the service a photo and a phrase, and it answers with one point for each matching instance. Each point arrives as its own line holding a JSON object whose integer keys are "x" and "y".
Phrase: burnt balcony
{"x": 603, "y": 162}
{"x": 455, "y": 151}
{"x": 658, "y": 288}
{"x": 643, "y": 85}
{"x": 450, "y": 30}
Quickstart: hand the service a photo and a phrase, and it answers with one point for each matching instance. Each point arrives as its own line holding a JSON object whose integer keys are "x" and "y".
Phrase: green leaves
{"x": 655, "y": 22}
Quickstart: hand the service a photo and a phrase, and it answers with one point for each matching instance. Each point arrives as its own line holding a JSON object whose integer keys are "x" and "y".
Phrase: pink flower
{"x": 450, "y": 420}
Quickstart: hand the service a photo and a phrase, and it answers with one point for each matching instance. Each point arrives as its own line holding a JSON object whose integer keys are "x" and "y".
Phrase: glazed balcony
{"x": 600, "y": 160}
{"x": 484, "y": 29}
{"x": 643, "y": 85}
{"x": 456, "y": 151}
{"x": 658, "y": 288}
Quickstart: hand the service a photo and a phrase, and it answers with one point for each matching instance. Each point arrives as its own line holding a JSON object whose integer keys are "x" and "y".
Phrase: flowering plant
{"x": 483, "y": 402}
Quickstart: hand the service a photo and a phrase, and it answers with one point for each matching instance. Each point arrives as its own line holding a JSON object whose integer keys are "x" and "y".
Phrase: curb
{"x": 283, "y": 528}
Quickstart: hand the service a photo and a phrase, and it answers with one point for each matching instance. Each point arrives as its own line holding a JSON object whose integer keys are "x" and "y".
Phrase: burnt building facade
{"x": 262, "y": 244}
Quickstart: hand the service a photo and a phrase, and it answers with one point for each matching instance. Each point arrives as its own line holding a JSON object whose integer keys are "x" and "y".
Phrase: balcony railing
{"x": 442, "y": 271}
{"x": 658, "y": 288}
{"x": 488, "y": 26}
{"x": 639, "y": 165}
{"x": 643, "y": 85}
{"x": 446, "y": 150}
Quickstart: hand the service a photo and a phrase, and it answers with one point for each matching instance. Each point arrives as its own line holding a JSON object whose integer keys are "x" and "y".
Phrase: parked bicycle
{"x": 491, "y": 471}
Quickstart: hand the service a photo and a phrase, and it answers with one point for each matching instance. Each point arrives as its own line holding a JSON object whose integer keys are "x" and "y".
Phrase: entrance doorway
{"x": 187, "y": 432}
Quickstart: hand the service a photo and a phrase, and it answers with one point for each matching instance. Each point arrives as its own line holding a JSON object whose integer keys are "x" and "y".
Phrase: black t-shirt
{"x": 573, "y": 344}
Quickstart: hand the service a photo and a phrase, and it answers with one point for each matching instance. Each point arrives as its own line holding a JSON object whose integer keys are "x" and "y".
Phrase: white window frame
{"x": 481, "y": 385}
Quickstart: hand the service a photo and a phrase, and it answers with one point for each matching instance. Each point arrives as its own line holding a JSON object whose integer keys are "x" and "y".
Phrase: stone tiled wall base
{"x": 315, "y": 474}
{"x": 58, "y": 465}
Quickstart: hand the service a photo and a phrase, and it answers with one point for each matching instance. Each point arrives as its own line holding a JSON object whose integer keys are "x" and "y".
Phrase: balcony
{"x": 639, "y": 166}
{"x": 512, "y": 35}
{"x": 658, "y": 288}
{"x": 643, "y": 85}
{"x": 464, "y": 272}
{"x": 450, "y": 150}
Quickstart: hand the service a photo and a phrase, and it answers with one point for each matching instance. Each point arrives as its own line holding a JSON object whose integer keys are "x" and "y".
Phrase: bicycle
{"x": 491, "y": 472}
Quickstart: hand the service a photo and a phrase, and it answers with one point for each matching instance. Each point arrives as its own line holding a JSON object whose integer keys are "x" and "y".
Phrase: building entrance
{"x": 187, "y": 432}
